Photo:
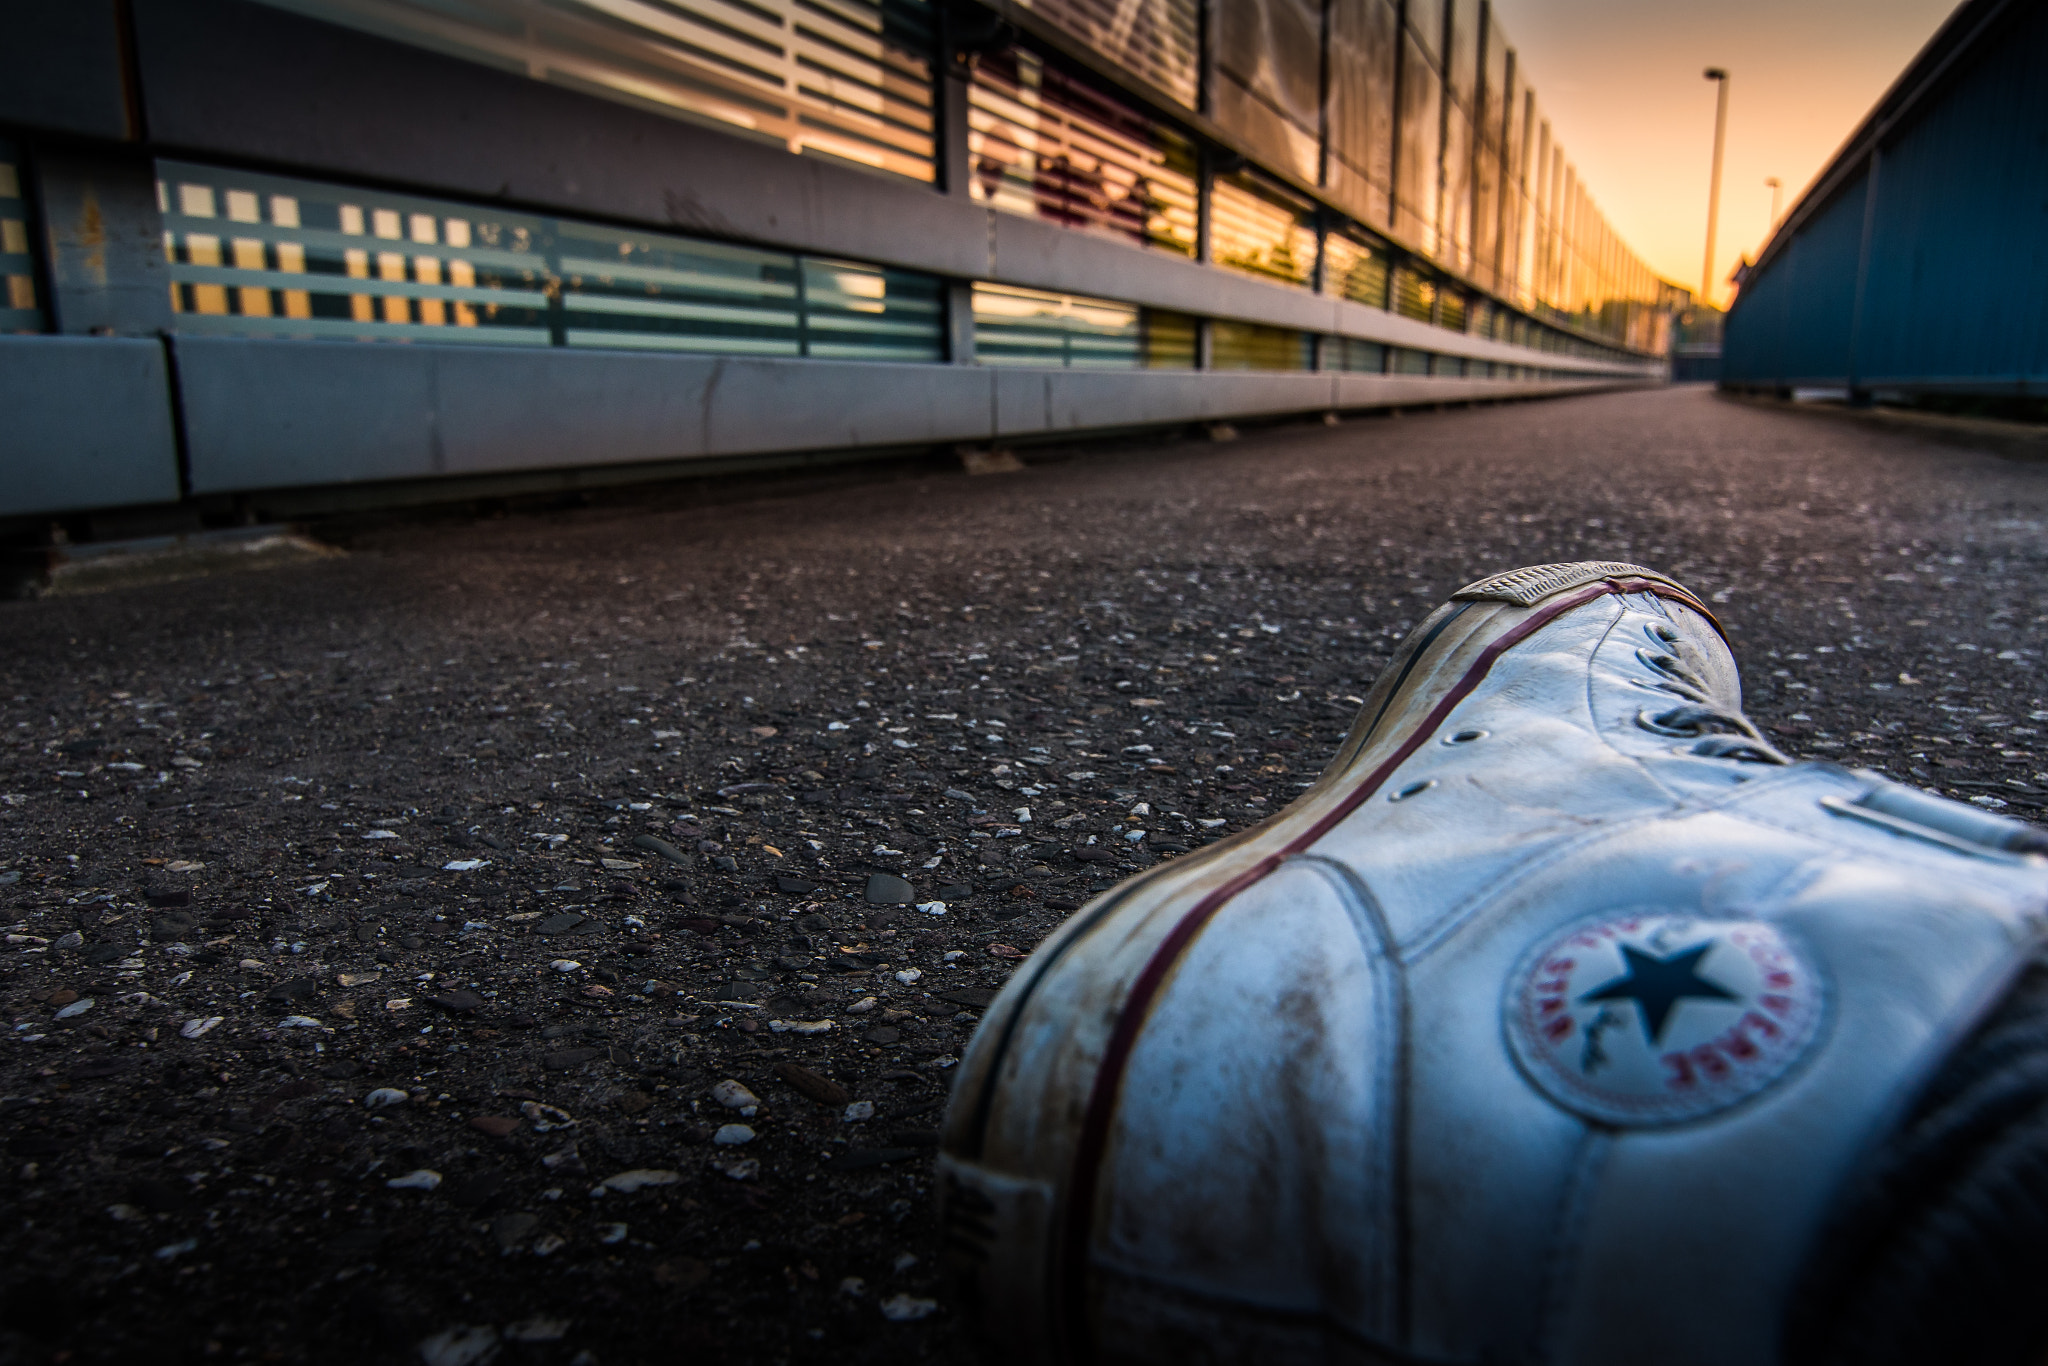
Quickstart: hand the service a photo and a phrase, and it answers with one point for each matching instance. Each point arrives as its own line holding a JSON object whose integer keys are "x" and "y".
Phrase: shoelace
{"x": 1718, "y": 732}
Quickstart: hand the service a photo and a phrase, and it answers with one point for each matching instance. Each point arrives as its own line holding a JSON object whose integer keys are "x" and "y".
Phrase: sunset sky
{"x": 1620, "y": 81}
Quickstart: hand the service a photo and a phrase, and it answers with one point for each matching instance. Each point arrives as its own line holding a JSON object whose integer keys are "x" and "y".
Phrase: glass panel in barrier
{"x": 1349, "y": 353}
{"x": 270, "y": 256}
{"x": 20, "y": 309}
{"x": 859, "y": 312}
{"x": 1454, "y": 202}
{"x": 1407, "y": 362}
{"x": 631, "y": 290}
{"x": 1251, "y": 346}
{"x": 1158, "y": 41}
{"x": 1028, "y": 327}
{"x": 1266, "y": 85}
{"x": 849, "y": 79}
{"x": 265, "y": 256}
{"x": 1362, "y": 43}
{"x": 1418, "y": 136}
{"x": 1044, "y": 144}
{"x": 1171, "y": 340}
{"x": 1355, "y": 268}
{"x": 1262, "y": 230}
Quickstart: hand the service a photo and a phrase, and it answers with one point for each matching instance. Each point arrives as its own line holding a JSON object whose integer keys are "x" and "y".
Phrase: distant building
{"x": 268, "y": 255}
{"x": 1915, "y": 268}
{"x": 1696, "y": 344}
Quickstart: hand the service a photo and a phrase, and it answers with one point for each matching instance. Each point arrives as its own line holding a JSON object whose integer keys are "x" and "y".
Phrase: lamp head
{"x": 1715, "y": 73}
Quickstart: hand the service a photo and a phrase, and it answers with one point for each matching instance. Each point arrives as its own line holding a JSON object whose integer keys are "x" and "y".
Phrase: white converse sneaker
{"x": 1544, "y": 1027}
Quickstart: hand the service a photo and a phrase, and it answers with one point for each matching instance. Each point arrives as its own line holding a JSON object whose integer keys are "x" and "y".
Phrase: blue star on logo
{"x": 1657, "y": 985}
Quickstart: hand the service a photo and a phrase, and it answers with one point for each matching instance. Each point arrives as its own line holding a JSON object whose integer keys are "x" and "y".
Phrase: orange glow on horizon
{"x": 1620, "y": 82}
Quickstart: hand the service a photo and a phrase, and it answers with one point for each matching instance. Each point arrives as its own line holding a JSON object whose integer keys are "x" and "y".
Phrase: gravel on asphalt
{"x": 552, "y": 936}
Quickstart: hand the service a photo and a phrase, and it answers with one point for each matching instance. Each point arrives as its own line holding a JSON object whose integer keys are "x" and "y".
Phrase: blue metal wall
{"x": 1938, "y": 211}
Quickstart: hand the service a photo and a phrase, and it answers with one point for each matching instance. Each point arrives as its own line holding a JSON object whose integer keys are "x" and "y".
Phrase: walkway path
{"x": 790, "y": 689}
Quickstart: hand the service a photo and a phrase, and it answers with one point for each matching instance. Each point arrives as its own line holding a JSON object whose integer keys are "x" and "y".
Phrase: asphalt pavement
{"x": 385, "y": 929}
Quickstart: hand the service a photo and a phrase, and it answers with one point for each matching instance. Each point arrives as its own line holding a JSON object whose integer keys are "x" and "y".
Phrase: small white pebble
{"x": 908, "y": 1308}
{"x": 909, "y": 976}
{"x": 732, "y": 1135}
{"x": 734, "y": 1095}
{"x": 858, "y": 1111}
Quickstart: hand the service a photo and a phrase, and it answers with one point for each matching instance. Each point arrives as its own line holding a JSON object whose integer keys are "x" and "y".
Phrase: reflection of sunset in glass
{"x": 1620, "y": 80}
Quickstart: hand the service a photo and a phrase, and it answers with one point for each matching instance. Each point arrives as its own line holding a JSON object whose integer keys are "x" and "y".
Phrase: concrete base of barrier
{"x": 87, "y": 424}
{"x": 270, "y": 415}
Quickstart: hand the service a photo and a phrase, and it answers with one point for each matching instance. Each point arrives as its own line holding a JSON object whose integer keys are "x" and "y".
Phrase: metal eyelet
{"x": 1411, "y": 790}
{"x": 1667, "y": 665}
{"x": 1466, "y": 737}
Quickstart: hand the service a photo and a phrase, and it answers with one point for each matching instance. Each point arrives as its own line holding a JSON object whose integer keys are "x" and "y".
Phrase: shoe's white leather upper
{"x": 1273, "y": 1105}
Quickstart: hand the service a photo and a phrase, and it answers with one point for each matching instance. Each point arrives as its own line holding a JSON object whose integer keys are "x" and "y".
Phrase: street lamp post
{"x": 1720, "y": 79}
{"x": 1777, "y": 186}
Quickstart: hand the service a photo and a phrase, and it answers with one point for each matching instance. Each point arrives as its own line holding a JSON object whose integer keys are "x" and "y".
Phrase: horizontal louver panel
{"x": 1026, "y": 327}
{"x": 1248, "y": 346}
{"x": 842, "y": 78}
{"x": 1348, "y": 353}
{"x": 1355, "y": 269}
{"x": 1042, "y": 144}
{"x": 1414, "y": 295}
{"x": 1259, "y": 229}
{"x": 254, "y": 255}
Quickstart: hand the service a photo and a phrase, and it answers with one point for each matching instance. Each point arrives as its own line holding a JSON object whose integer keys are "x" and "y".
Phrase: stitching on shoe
{"x": 1390, "y": 970}
{"x": 1575, "y": 1209}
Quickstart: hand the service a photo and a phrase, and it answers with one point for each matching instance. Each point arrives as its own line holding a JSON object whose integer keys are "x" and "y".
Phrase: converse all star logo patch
{"x": 1658, "y": 1019}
